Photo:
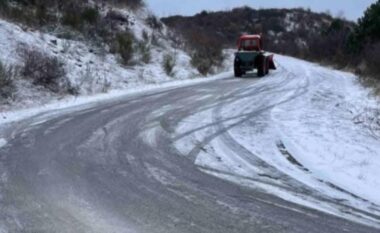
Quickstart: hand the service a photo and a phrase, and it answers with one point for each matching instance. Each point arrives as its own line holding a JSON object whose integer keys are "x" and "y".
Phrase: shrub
{"x": 168, "y": 63}
{"x": 154, "y": 22}
{"x": 3, "y": 6}
{"x": 117, "y": 16}
{"x": 7, "y": 86}
{"x": 124, "y": 46}
{"x": 41, "y": 15}
{"x": 72, "y": 18}
{"x": 201, "y": 63}
{"x": 204, "y": 61}
{"x": 372, "y": 57}
{"x": 145, "y": 36}
{"x": 144, "y": 51}
{"x": 90, "y": 15}
{"x": 76, "y": 14}
{"x": 206, "y": 56}
{"x": 155, "y": 41}
{"x": 43, "y": 70}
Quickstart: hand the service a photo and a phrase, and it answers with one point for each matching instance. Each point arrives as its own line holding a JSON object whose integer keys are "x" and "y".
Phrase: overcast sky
{"x": 353, "y": 9}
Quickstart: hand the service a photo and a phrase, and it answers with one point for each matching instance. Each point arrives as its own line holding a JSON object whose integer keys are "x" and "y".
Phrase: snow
{"x": 301, "y": 122}
{"x": 311, "y": 125}
{"x": 97, "y": 73}
{"x": 289, "y": 22}
{"x": 326, "y": 140}
{"x": 91, "y": 69}
{"x": 3, "y": 142}
{"x": 69, "y": 104}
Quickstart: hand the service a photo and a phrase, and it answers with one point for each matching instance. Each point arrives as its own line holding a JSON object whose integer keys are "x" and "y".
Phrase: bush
{"x": 116, "y": 16}
{"x": 154, "y": 22}
{"x": 144, "y": 51}
{"x": 3, "y": 6}
{"x": 168, "y": 63}
{"x": 43, "y": 70}
{"x": 90, "y": 15}
{"x": 124, "y": 46}
{"x": 372, "y": 58}
{"x": 79, "y": 15}
{"x": 206, "y": 56}
{"x": 201, "y": 63}
{"x": 7, "y": 86}
{"x": 204, "y": 62}
{"x": 72, "y": 18}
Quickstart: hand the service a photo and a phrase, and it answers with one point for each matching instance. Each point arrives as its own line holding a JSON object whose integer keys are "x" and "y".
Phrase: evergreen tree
{"x": 368, "y": 28}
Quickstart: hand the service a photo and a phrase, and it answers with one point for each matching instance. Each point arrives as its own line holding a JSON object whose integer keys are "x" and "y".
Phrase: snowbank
{"x": 69, "y": 104}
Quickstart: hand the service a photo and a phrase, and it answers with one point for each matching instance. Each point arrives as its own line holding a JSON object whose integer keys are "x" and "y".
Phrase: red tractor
{"x": 251, "y": 56}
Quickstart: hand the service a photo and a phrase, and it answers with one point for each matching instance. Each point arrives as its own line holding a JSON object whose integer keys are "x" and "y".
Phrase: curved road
{"x": 104, "y": 169}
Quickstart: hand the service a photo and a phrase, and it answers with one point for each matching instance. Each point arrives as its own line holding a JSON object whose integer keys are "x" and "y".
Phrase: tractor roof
{"x": 245, "y": 37}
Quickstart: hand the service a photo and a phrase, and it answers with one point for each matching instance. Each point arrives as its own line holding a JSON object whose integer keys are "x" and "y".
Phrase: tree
{"x": 368, "y": 28}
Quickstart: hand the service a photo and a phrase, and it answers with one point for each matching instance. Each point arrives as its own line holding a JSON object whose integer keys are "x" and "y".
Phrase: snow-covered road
{"x": 298, "y": 158}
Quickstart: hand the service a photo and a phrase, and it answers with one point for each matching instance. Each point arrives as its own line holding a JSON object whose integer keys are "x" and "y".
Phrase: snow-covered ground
{"x": 295, "y": 134}
{"x": 304, "y": 133}
{"x": 70, "y": 104}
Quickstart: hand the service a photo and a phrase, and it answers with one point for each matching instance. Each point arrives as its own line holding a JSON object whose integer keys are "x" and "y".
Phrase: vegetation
{"x": 7, "y": 86}
{"x": 144, "y": 50}
{"x": 43, "y": 70}
{"x": 154, "y": 22}
{"x": 169, "y": 62}
{"x": 226, "y": 26}
{"x": 80, "y": 18}
{"x": 365, "y": 41}
{"x": 206, "y": 53}
{"x": 318, "y": 37}
{"x": 123, "y": 45}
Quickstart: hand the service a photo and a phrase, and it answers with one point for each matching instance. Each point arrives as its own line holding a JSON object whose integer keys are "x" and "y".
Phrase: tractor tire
{"x": 266, "y": 66}
{"x": 238, "y": 73}
{"x": 261, "y": 67}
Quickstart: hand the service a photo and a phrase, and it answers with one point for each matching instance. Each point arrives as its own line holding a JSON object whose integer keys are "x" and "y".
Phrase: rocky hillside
{"x": 50, "y": 49}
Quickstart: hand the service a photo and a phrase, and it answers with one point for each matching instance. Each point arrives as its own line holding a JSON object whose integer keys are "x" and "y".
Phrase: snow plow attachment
{"x": 272, "y": 65}
{"x": 251, "y": 56}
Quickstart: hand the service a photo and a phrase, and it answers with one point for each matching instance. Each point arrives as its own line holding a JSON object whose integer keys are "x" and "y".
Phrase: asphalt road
{"x": 95, "y": 170}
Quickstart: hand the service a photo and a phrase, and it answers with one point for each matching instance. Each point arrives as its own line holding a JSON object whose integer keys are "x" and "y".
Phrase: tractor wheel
{"x": 238, "y": 73}
{"x": 267, "y": 66}
{"x": 261, "y": 67}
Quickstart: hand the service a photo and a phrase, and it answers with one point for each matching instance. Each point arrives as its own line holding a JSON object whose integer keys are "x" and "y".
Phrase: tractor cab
{"x": 250, "y": 43}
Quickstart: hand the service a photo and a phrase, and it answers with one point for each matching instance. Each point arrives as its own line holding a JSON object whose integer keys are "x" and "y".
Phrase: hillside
{"x": 51, "y": 50}
{"x": 318, "y": 37}
{"x": 287, "y": 31}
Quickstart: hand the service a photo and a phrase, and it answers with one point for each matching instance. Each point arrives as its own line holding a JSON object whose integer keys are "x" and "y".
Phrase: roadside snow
{"x": 293, "y": 131}
{"x": 321, "y": 133}
{"x": 74, "y": 103}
